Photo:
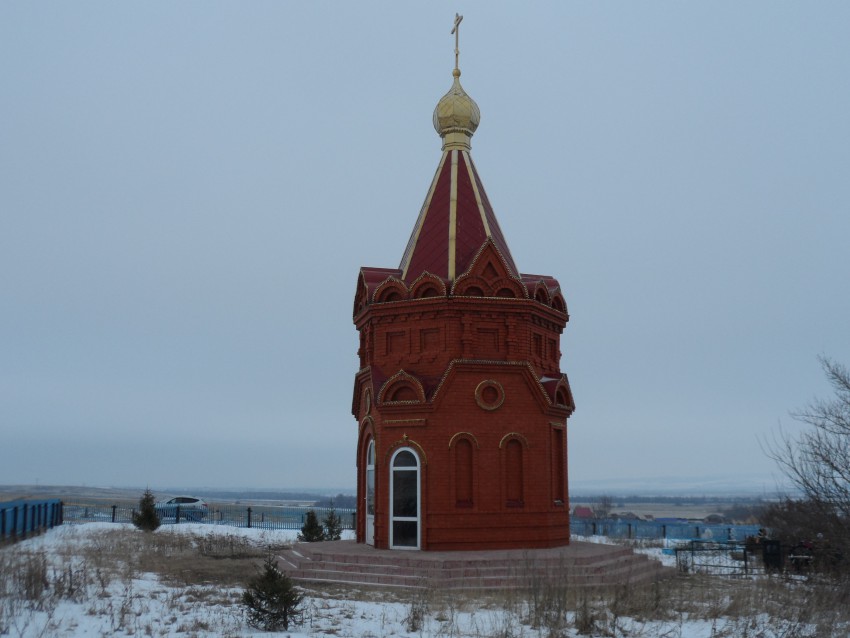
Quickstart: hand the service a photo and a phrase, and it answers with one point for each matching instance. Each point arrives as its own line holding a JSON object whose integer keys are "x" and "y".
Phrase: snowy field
{"x": 103, "y": 579}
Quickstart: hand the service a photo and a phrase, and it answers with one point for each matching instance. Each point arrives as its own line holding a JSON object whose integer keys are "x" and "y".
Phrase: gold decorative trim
{"x": 390, "y": 282}
{"x": 513, "y": 271}
{"x": 406, "y": 441}
{"x": 365, "y": 431}
{"x": 464, "y": 435}
{"x": 541, "y": 285}
{"x": 514, "y": 435}
{"x": 558, "y": 425}
{"x": 472, "y": 264}
{"x": 420, "y": 221}
{"x": 399, "y": 422}
{"x": 479, "y": 398}
{"x": 403, "y": 376}
{"x": 424, "y": 279}
{"x": 521, "y": 364}
{"x": 453, "y": 217}
{"x": 481, "y": 211}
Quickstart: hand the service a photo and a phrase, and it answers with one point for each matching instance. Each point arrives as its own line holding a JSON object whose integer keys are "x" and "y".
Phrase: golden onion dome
{"x": 456, "y": 116}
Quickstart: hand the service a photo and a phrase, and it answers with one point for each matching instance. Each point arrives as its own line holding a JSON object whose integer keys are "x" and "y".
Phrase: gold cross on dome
{"x": 456, "y": 33}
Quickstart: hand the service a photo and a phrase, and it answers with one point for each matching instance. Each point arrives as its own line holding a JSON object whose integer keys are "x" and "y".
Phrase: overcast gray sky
{"x": 187, "y": 191}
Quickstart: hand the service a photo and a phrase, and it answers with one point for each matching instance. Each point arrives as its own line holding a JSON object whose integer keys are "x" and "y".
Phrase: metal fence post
{"x": 114, "y": 507}
{"x": 249, "y": 517}
{"x": 177, "y": 514}
{"x": 24, "y": 526}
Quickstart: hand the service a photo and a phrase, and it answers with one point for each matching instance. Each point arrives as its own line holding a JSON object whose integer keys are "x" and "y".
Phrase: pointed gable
{"x": 489, "y": 275}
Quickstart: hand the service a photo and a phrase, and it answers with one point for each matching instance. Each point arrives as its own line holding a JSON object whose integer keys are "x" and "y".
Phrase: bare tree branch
{"x": 817, "y": 461}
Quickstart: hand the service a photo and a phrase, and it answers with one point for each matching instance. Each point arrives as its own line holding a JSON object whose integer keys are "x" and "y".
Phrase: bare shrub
{"x": 229, "y": 546}
{"x": 417, "y": 610}
{"x": 817, "y": 461}
{"x": 31, "y": 576}
{"x": 585, "y": 615}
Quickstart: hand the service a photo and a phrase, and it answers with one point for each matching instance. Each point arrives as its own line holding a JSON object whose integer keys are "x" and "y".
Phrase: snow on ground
{"x": 656, "y": 553}
{"x": 142, "y": 604}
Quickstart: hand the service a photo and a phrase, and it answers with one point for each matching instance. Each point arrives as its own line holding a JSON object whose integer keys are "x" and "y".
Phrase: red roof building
{"x": 461, "y": 404}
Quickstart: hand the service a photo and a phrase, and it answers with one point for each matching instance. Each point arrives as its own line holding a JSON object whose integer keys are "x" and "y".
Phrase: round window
{"x": 489, "y": 395}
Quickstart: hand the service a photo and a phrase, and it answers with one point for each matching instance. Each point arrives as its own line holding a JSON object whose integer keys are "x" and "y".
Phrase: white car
{"x": 189, "y": 508}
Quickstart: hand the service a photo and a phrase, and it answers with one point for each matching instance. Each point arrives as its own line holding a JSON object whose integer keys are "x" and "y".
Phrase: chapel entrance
{"x": 370, "y": 494}
{"x": 404, "y": 500}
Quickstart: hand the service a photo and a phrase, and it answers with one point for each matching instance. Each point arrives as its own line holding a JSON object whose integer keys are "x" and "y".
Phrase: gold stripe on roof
{"x": 420, "y": 221}
{"x": 478, "y": 201}
{"x": 507, "y": 256}
{"x": 453, "y": 218}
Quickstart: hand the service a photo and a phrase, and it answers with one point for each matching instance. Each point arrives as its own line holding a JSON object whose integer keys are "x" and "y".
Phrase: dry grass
{"x": 101, "y": 571}
{"x": 199, "y": 580}
{"x": 757, "y": 608}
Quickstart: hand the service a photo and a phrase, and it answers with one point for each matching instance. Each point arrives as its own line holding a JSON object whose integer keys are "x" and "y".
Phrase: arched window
{"x": 402, "y": 392}
{"x": 561, "y": 397}
{"x": 463, "y": 473}
{"x": 559, "y": 463}
{"x": 513, "y": 473}
{"x": 558, "y": 303}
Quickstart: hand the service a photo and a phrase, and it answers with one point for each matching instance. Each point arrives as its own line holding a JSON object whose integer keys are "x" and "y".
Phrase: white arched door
{"x": 404, "y": 500}
{"x": 370, "y": 494}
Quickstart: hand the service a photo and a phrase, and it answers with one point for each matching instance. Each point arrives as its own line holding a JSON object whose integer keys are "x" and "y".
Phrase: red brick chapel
{"x": 461, "y": 404}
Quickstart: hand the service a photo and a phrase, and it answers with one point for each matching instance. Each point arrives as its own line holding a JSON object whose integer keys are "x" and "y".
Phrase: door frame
{"x": 391, "y": 514}
{"x": 370, "y": 491}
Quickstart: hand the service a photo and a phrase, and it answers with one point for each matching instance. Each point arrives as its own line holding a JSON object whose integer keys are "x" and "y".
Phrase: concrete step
{"x": 358, "y": 564}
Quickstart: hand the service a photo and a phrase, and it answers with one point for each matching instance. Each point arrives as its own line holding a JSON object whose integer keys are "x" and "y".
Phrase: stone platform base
{"x": 576, "y": 565}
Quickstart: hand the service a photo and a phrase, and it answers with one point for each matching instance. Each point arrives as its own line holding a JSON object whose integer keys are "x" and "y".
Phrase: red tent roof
{"x": 455, "y": 220}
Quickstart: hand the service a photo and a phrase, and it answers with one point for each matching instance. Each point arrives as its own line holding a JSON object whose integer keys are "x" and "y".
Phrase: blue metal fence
{"x": 255, "y": 516}
{"x": 18, "y": 519}
{"x": 638, "y": 529}
{"x": 23, "y": 517}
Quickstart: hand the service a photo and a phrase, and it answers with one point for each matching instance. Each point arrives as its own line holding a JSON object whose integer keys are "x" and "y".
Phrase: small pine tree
{"x": 146, "y": 518}
{"x": 333, "y": 525}
{"x": 271, "y": 599}
{"x": 311, "y": 531}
